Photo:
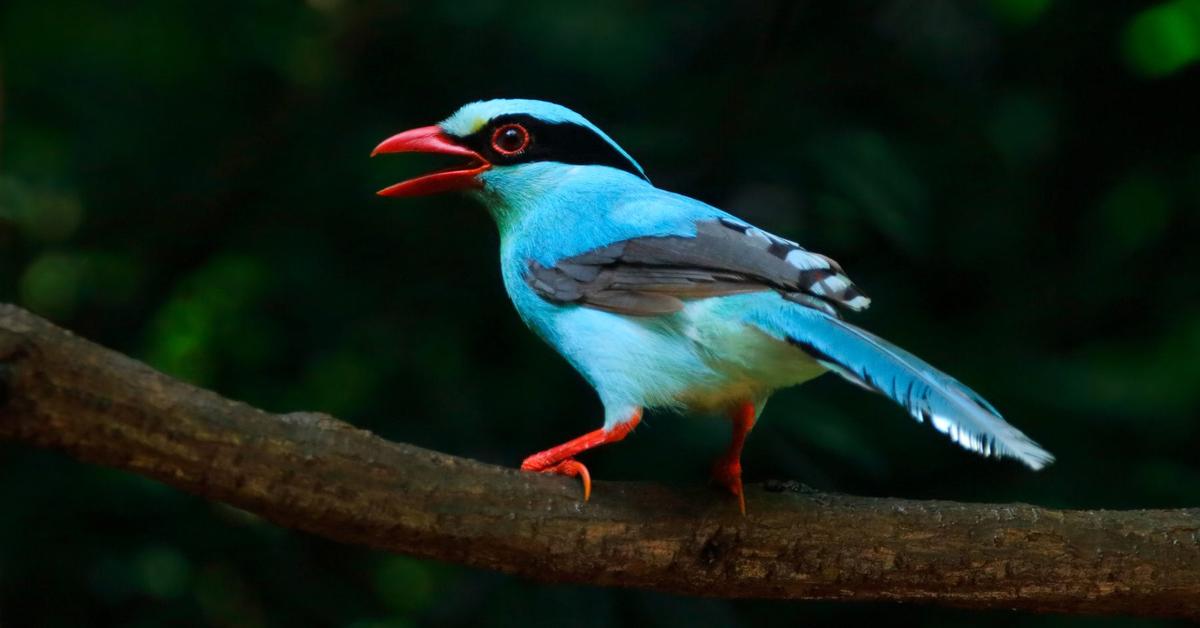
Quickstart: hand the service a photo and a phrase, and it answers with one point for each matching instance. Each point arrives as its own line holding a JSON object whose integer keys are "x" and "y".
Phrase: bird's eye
{"x": 510, "y": 139}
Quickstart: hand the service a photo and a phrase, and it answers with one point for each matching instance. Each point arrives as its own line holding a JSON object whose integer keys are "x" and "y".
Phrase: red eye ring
{"x": 510, "y": 139}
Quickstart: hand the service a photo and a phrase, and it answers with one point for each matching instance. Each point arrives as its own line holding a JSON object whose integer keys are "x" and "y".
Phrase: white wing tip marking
{"x": 859, "y": 302}
{"x": 803, "y": 260}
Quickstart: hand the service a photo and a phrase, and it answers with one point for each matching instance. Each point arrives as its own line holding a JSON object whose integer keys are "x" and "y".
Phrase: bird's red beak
{"x": 431, "y": 139}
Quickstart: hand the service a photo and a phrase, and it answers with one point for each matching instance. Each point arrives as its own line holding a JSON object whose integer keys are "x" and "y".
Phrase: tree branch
{"x": 314, "y": 473}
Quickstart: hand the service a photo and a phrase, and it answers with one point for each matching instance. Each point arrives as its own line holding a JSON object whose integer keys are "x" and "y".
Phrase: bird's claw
{"x": 571, "y": 468}
{"x": 728, "y": 473}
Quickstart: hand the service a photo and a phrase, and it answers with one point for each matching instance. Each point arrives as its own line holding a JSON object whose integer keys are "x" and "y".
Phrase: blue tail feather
{"x": 928, "y": 394}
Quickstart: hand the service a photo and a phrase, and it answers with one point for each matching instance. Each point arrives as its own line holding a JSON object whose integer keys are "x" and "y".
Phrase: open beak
{"x": 431, "y": 139}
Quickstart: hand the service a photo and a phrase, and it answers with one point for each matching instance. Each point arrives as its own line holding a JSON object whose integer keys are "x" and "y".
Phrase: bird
{"x": 661, "y": 301}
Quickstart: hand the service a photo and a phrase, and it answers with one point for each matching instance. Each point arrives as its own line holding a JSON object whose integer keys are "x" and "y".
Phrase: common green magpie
{"x": 662, "y": 301}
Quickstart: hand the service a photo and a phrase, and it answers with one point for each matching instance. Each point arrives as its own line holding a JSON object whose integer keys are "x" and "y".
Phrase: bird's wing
{"x": 653, "y": 275}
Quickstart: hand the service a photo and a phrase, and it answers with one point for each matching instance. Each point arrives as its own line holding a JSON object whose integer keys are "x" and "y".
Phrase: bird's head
{"x": 505, "y": 146}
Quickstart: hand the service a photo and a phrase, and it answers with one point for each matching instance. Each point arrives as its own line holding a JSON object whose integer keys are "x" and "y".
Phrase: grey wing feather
{"x": 652, "y": 275}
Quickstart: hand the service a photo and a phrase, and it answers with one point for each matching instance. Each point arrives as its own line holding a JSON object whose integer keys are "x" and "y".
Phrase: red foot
{"x": 728, "y": 473}
{"x": 561, "y": 460}
{"x": 728, "y": 469}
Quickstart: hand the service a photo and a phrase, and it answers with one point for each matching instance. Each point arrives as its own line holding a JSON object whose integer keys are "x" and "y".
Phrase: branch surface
{"x": 314, "y": 473}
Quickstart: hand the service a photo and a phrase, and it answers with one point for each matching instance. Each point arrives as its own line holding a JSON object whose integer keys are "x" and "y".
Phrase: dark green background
{"x": 1016, "y": 183}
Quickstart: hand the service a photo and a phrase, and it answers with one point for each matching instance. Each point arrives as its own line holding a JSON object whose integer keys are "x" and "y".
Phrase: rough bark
{"x": 314, "y": 473}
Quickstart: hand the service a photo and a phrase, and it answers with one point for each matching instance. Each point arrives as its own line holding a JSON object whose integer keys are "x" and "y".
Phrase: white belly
{"x": 701, "y": 359}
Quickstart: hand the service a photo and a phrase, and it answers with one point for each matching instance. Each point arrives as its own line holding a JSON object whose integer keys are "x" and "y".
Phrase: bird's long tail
{"x": 928, "y": 394}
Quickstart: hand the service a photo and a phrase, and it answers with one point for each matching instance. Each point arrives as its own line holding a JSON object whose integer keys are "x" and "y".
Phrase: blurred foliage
{"x": 1164, "y": 38}
{"x": 1016, "y": 182}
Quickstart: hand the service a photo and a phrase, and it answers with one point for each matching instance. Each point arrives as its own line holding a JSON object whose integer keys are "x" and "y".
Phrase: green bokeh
{"x": 1165, "y": 38}
{"x": 1019, "y": 12}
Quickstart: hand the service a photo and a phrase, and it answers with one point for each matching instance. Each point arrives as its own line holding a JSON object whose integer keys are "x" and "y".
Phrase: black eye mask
{"x": 564, "y": 142}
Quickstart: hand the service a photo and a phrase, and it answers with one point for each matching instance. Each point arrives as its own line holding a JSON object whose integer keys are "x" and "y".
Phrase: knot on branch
{"x": 318, "y": 420}
{"x": 6, "y": 377}
{"x": 788, "y": 486}
{"x": 12, "y": 351}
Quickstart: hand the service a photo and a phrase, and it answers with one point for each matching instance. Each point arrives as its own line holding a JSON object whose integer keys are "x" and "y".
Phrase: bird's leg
{"x": 561, "y": 460}
{"x": 728, "y": 468}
